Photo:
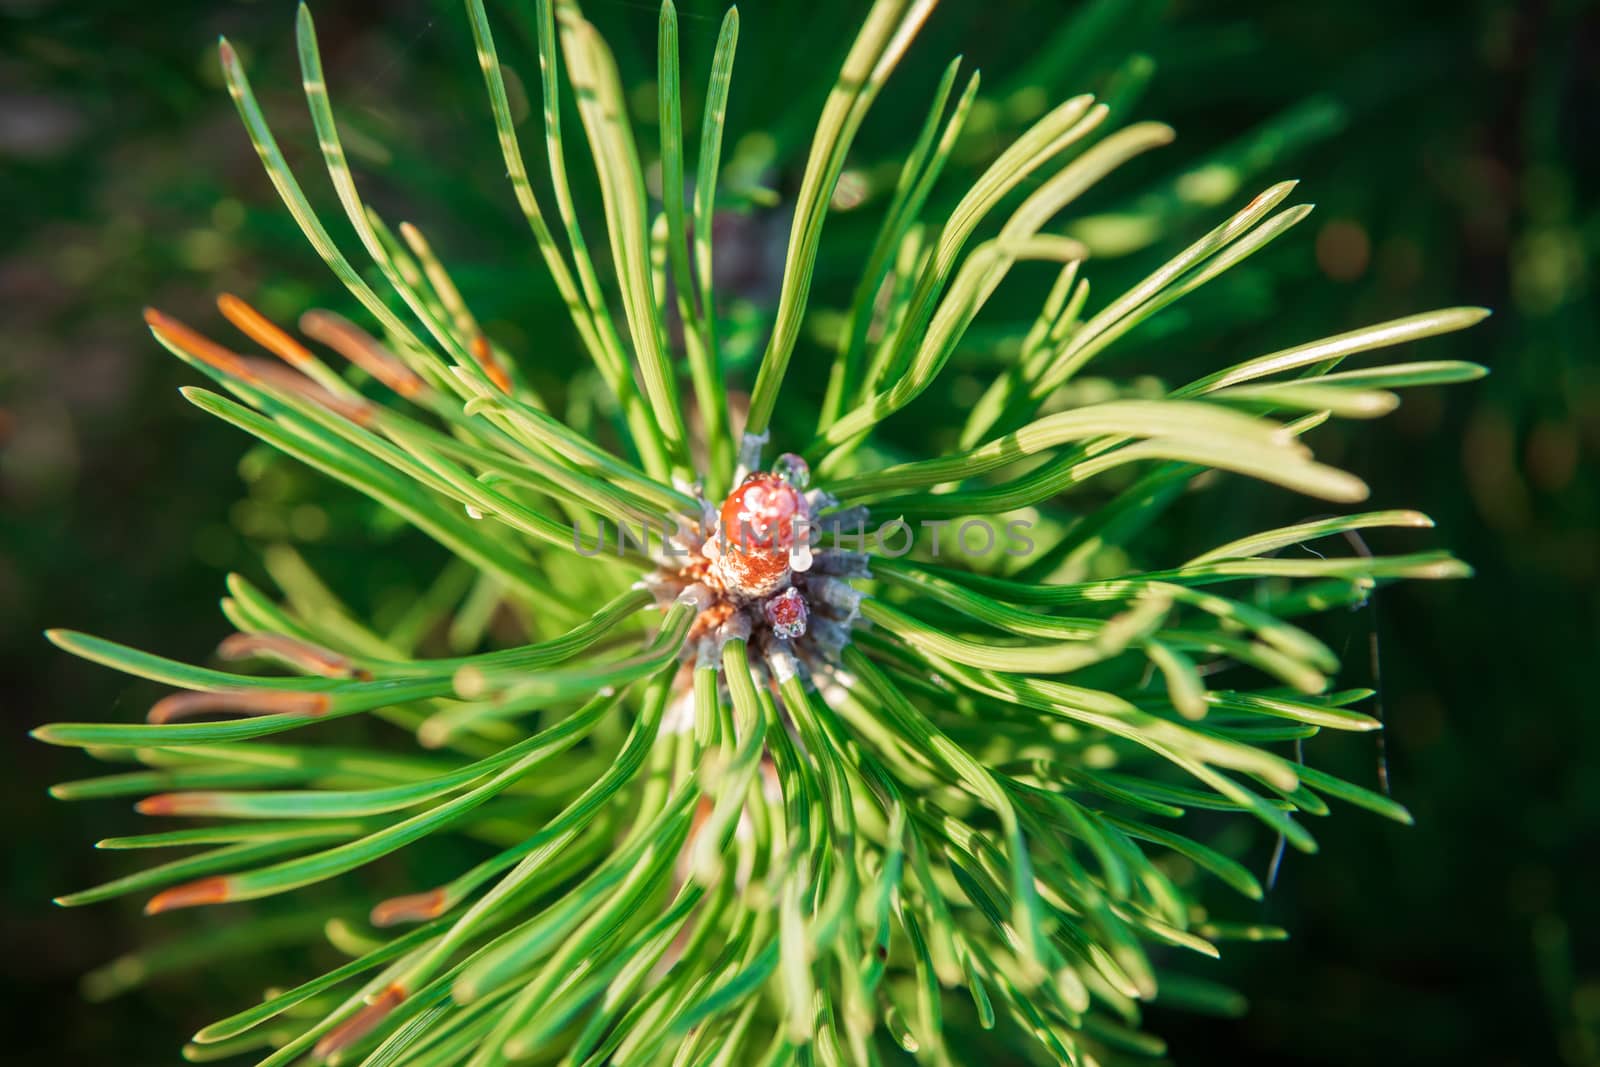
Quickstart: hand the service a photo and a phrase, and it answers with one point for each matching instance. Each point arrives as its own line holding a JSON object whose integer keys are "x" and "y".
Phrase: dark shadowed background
{"x": 1451, "y": 149}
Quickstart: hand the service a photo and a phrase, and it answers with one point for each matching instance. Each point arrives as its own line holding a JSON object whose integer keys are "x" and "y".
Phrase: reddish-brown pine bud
{"x": 761, "y": 522}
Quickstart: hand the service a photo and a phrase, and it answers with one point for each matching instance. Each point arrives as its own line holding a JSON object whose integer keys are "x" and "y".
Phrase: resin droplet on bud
{"x": 762, "y": 538}
{"x": 786, "y": 614}
{"x": 793, "y": 470}
{"x": 761, "y": 513}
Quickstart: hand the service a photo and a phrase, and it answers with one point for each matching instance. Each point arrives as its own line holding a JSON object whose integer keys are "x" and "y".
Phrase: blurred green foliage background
{"x": 1451, "y": 148}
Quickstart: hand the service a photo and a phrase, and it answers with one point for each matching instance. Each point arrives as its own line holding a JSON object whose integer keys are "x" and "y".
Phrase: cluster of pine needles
{"x": 968, "y": 819}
